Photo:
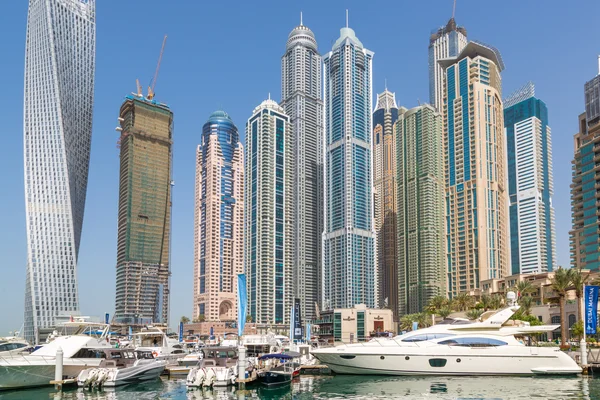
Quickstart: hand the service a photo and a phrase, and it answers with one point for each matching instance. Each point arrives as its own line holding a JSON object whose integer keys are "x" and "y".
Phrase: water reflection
{"x": 346, "y": 387}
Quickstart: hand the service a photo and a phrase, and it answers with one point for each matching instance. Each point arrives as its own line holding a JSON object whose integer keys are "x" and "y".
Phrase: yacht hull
{"x": 125, "y": 376}
{"x": 456, "y": 361}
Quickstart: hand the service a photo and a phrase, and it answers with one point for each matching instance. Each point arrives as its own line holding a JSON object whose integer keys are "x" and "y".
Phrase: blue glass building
{"x": 349, "y": 275}
{"x": 530, "y": 183}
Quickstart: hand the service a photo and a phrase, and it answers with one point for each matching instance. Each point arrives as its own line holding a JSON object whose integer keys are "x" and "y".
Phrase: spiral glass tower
{"x": 57, "y": 133}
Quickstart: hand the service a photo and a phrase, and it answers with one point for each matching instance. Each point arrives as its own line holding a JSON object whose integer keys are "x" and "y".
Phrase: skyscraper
{"x": 530, "y": 183}
{"x": 269, "y": 214}
{"x": 584, "y": 236}
{"x": 349, "y": 275}
{"x": 218, "y": 219}
{"x": 475, "y": 168}
{"x": 301, "y": 100}
{"x": 57, "y": 128}
{"x": 384, "y": 177}
{"x": 144, "y": 223}
{"x": 420, "y": 204}
{"x": 445, "y": 42}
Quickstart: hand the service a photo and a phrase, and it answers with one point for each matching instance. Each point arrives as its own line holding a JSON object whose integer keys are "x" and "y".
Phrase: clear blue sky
{"x": 223, "y": 54}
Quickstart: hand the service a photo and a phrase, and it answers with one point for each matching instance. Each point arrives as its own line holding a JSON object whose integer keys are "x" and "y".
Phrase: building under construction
{"x": 142, "y": 294}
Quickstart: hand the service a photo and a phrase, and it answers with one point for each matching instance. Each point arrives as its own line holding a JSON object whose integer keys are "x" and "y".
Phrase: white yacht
{"x": 454, "y": 347}
{"x": 121, "y": 367}
{"x": 10, "y": 346}
{"x": 156, "y": 341}
{"x": 37, "y": 368}
{"x": 217, "y": 367}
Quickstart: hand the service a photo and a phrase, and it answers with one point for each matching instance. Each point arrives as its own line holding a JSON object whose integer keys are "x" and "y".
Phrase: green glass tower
{"x": 420, "y": 208}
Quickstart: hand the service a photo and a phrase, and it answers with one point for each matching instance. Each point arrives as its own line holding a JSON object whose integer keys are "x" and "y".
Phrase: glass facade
{"x": 349, "y": 275}
{"x": 57, "y": 133}
{"x": 530, "y": 183}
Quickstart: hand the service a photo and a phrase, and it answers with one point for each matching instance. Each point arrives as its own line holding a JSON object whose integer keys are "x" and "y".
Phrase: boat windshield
{"x": 425, "y": 336}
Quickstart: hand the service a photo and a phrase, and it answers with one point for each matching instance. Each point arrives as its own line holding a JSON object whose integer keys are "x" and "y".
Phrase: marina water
{"x": 346, "y": 387}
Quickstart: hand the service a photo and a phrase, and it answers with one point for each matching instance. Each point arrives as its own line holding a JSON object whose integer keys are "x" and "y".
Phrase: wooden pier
{"x": 64, "y": 382}
{"x": 312, "y": 369}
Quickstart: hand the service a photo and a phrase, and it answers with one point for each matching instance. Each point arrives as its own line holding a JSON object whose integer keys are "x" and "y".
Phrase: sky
{"x": 227, "y": 55}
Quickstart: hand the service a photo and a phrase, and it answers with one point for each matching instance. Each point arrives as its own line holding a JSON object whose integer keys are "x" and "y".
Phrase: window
{"x": 572, "y": 319}
{"x": 423, "y": 337}
{"x": 437, "y": 362}
{"x": 473, "y": 342}
{"x": 555, "y": 319}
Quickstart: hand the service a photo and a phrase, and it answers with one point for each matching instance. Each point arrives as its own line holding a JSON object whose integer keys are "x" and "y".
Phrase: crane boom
{"x": 151, "y": 88}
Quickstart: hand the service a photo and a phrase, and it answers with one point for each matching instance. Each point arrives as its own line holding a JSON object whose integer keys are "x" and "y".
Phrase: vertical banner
{"x": 242, "y": 303}
{"x": 591, "y": 309}
{"x": 130, "y": 335}
{"x": 106, "y": 316}
{"x": 308, "y": 332}
{"x": 180, "y": 332}
{"x": 297, "y": 320}
{"x": 292, "y": 315}
{"x": 415, "y": 325}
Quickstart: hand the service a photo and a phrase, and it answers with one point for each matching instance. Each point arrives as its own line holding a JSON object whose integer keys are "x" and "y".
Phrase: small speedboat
{"x": 215, "y": 366}
{"x": 121, "y": 367}
{"x": 280, "y": 371}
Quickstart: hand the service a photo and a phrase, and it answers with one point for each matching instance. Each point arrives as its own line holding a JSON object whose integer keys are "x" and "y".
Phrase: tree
{"x": 561, "y": 283}
{"x": 519, "y": 316}
{"x": 577, "y": 329}
{"x": 496, "y": 302}
{"x": 436, "y": 304}
{"x": 248, "y": 318}
{"x": 463, "y": 301}
{"x": 526, "y": 303}
{"x": 185, "y": 320}
{"x": 579, "y": 279}
{"x": 406, "y": 321}
{"x": 474, "y": 313}
{"x": 524, "y": 288}
{"x": 444, "y": 312}
{"x": 200, "y": 318}
{"x": 485, "y": 301}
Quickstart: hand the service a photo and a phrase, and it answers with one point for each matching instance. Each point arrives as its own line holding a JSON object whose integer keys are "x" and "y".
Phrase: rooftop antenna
{"x": 346, "y": 17}
{"x": 300, "y": 17}
{"x": 385, "y": 83}
{"x": 453, "y": 9}
{"x": 598, "y": 64}
{"x": 269, "y": 95}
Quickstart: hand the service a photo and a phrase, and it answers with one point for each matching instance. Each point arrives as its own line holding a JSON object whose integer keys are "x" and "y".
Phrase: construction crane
{"x": 153, "y": 85}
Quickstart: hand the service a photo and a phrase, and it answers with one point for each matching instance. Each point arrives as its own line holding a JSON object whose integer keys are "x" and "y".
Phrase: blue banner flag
{"x": 106, "y": 317}
{"x": 591, "y": 309}
{"x": 415, "y": 325}
{"x": 242, "y": 303}
{"x": 297, "y": 320}
{"x": 308, "y": 332}
{"x": 180, "y": 332}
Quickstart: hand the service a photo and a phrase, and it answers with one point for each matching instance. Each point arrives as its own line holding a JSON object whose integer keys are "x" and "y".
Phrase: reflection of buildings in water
{"x": 216, "y": 393}
{"x": 306, "y": 383}
{"x": 464, "y": 387}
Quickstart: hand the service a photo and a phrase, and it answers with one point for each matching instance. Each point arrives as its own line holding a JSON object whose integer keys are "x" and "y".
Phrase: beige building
{"x": 353, "y": 324}
{"x": 219, "y": 219}
{"x": 478, "y": 236}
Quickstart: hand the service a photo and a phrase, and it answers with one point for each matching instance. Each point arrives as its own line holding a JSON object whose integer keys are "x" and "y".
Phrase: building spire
{"x": 385, "y": 84}
{"x": 269, "y": 95}
{"x": 300, "y": 18}
{"x": 346, "y": 17}
{"x": 454, "y": 9}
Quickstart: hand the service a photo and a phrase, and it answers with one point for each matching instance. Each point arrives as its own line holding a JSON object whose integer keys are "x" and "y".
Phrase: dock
{"x": 60, "y": 383}
{"x": 315, "y": 369}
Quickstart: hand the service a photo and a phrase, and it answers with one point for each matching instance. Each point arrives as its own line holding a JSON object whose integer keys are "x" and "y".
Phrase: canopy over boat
{"x": 278, "y": 356}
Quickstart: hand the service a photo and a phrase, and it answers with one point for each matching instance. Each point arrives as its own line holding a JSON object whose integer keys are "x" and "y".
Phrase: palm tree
{"x": 184, "y": 319}
{"x": 579, "y": 279}
{"x": 524, "y": 288}
{"x": 474, "y": 313}
{"x": 436, "y": 303}
{"x": 444, "y": 312}
{"x": 423, "y": 319}
{"x": 485, "y": 301}
{"x": 561, "y": 283}
{"x": 526, "y": 303}
{"x": 406, "y": 322}
{"x": 463, "y": 301}
{"x": 496, "y": 302}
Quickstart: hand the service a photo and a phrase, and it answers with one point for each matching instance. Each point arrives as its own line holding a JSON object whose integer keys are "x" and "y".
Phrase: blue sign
{"x": 591, "y": 309}
{"x": 180, "y": 332}
{"x": 106, "y": 318}
{"x": 415, "y": 325}
{"x": 242, "y": 303}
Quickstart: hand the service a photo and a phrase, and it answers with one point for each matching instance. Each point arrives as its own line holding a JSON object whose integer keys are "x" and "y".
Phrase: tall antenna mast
{"x": 454, "y": 9}
{"x": 346, "y": 17}
{"x": 300, "y": 17}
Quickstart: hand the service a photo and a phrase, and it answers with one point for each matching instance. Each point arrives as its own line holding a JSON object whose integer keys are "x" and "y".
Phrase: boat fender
{"x": 155, "y": 354}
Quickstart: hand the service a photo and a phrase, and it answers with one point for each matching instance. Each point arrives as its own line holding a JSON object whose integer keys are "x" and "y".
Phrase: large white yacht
{"x": 454, "y": 347}
{"x": 13, "y": 345}
{"x": 37, "y": 368}
{"x": 156, "y": 341}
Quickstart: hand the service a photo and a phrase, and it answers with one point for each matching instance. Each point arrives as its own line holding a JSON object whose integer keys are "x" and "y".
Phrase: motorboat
{"x": 217, "y": 366}
{"x": 121, "y": 367}
{"x": 156, "y": 341}
{"x": 12, "y": 345}
{"x": 488, "y": 346}
{"x": 80, "y": 351}
{"x": 280, "y": 372}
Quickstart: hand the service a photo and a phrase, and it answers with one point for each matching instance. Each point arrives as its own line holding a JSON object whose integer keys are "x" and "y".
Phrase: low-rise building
{"x": 353, "y": 324}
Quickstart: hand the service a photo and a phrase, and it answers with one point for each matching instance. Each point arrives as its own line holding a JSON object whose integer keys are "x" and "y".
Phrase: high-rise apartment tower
{"x": 144, "y": 223}
{"x": 530, "y": 183}
{"x": 218, "y": 219}
{"x": 475, "y": 168}
{"x": 420, "y": 208}
{"x": 269, "y": 214}
{"x": 301, "y": 100}
{"x": 384, "y": 177}
{"x": 585, "y": 198}
{"x": 445, "y": 42}
{"x": 349, "y": 274}
{"x": 60, "y": 56}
